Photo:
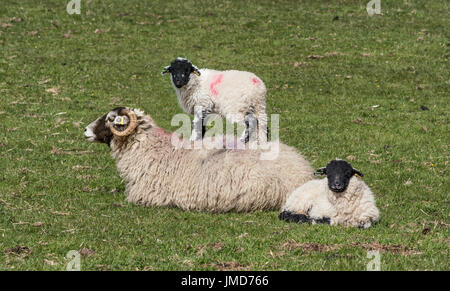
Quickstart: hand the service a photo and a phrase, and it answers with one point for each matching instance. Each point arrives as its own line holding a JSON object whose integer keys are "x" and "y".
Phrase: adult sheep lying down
{"x": 214, "y": 180}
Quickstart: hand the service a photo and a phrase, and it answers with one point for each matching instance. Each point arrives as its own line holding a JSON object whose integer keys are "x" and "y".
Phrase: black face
{"x": 181, "y": 70}
{"x": 339, "y": 173}
{"x": 98, "y": 131}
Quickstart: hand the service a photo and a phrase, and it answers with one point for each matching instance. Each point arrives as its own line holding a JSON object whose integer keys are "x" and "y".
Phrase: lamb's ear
{"x": 357, "y": 172}
{"x": 166, "y": 70}
{"x": 320, "y": 172}
{"x": 195, "y": 70}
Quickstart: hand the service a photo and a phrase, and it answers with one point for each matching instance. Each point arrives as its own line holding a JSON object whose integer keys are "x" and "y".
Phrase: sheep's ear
{"x": 166, "y": 70}
{"x": 320, "y": 172}
{"x": 195, "y": 70}
{"x": 357, "y": 173}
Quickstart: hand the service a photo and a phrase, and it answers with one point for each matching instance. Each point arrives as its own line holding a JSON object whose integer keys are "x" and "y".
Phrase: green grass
{"x": 60, "y": 193}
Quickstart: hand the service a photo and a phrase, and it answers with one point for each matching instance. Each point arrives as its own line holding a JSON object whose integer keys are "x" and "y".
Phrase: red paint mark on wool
{"x": 213, "y": 85}
{"x": 161, "y": 131}
{"x": 256, "y": 81}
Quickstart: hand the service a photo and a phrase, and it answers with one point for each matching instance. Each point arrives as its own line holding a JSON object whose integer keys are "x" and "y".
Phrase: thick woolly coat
{"x": 353, "y": 207}
{"x": 231, "y": 94}
{"x": 215, "y": 180}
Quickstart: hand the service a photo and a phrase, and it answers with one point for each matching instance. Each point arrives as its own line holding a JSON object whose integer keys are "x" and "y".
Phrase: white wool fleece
{"x": 354, "y": 207}
{"x": 227, "y": 93}
{"x": 208, "y": 179}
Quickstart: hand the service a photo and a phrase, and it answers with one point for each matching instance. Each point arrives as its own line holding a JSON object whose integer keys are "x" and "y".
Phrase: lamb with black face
{"x": 239, "y": 96}
{"x": 181, "y": 70}
{"x": 339, "y": 173}
{"x": 339, "y": 199}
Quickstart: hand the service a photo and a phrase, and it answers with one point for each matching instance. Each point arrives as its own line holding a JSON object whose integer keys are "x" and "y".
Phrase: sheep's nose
{"x": 336, "y": 186}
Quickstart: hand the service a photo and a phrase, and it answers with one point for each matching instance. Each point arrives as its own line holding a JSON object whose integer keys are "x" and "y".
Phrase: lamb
{"x": 342, "y": 198}
{"x": 212, "y": 179}
{"x": 238, "y": 96}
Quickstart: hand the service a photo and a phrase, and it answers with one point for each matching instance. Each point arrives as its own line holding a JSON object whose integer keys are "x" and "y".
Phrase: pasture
{"x": 372, "y": 90}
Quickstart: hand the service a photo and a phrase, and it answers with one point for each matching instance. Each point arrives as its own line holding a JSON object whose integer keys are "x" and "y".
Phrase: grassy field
{"x": 372, "y": 90}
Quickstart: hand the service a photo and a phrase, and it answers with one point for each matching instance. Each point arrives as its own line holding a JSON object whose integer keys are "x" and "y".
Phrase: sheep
{"x": 239, "y": 96}
{"x": 343, "y": 198}
{"x": 213, "y": 179}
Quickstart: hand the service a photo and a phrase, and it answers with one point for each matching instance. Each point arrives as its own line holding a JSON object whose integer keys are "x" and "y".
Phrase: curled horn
{"x": 131, "y": 126}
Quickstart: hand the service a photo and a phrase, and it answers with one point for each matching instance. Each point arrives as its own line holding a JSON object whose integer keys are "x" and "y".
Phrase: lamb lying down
{"x": 342, "y": 198}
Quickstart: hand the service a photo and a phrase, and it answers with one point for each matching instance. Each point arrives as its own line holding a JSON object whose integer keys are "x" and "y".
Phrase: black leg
{"x": 251, "y": 124}
{"x": 203, "y": 130}
{"x": 204, "y": 116}
{"x": 324, "y": 220}
{"x": 246, "y": 135}
{"x": 302, "y": 218}
{"x": 293, "y": 217}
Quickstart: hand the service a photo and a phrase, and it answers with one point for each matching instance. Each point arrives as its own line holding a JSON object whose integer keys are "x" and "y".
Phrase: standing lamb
{"x": 214, "y": 179}
{"x": 342, "y": 198}
{"x": 238, "y": 96}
